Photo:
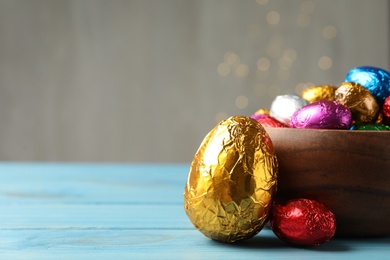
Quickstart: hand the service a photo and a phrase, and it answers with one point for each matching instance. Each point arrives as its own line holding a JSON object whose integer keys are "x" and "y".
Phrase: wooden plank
{"x": 92, "y": 183}
{"x": 171, "y": 244}
{"x": 92, "y": 211}
{"x": 62, "y": 216}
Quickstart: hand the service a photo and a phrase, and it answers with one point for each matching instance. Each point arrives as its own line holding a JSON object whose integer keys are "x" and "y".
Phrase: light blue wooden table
{"x": 119, "y": 211}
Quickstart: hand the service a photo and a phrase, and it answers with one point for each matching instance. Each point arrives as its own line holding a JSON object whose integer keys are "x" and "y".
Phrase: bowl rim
{"x": 333, "y": 131}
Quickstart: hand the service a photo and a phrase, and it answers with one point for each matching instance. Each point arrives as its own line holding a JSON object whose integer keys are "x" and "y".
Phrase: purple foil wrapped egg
{"x": 284, "y": 106}
{"x": 323, "y": 114}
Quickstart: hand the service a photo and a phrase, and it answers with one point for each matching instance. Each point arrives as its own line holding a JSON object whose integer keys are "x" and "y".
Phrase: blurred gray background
{"x": 144, "y": 80}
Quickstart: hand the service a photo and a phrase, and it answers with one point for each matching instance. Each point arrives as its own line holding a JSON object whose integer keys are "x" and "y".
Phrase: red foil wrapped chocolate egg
{"x": 386, "y": 111}
{"x": 303, "y": 222}
{"x": 267, "y": 120}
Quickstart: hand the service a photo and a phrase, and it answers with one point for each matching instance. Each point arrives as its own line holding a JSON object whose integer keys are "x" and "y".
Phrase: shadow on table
{"x": 272, "y": 243}
{"x": 366, "y": 241}
{"x": 267, "y": 240}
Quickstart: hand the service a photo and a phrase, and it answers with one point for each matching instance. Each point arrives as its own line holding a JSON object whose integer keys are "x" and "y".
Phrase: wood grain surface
{"x": 348, "y": 171}
{"x": 119, "y": 211}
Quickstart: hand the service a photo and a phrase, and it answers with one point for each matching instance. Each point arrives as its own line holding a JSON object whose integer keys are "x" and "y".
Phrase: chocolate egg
{"x": 322, "y": 114}
{"x": 303, "y": 222}
{"x": 317, "y": 93}
{"x": 376, "y": 80}
{"x": 386, "y": 111}
{"x": 359, "y": 100}
{"x": 379, "y": 118}
{"x": 262, "y": 111}
{"x": 284, "y": 106}
{"x": 372, "y": 127}
{"x": 267, "y": 121}
{"x": 232, "y": 181}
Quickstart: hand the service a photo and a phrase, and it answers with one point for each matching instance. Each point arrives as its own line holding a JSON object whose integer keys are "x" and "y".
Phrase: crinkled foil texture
{"x": 323, "y": 114}
{"x": 317, "y": 93}
{"x": 232, "y": 181}
{"x": 376, "y": 80}
{"x": 303, "y": 222}
{"x": 284, "y": 106}
{"x": 359, "y": 100}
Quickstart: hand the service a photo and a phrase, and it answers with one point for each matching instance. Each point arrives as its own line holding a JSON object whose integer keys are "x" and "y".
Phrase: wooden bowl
{"x": 348, "y": 171}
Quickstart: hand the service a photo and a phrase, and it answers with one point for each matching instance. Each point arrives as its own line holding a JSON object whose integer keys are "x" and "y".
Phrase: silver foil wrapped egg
{"x": 284, "y": 106}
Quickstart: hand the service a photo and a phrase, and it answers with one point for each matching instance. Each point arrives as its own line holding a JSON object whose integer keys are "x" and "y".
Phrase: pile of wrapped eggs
{"x": 232, "y": 183}
{"x": 361, "y": 102}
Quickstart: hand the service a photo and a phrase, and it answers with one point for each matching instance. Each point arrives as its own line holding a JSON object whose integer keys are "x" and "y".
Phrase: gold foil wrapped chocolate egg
{"x": 359, "y": 100}
{"x": 317, "y": 93}
{"x": 379, "y": 118}
{"x": 232, "y": 181}
{"x": 262, "y": 111}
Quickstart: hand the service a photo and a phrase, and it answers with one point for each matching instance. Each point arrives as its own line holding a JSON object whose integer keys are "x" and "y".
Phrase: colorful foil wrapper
{"x": 267, "y": 121}
{"x": 303, "y": 222}
{"x": 371, "y": 127}
{"x": 284, "y": 106}
{"x": 380, "y": 119}
{"x": 359, "y": 100}
{"x": 317, "y": 93}
{"x": 386, "y": 111}
{"x": 262, "y": 111}
{"x": 232, "y": 181}
{"x": 376, "y": 80}
{"x": 322, "y": 114}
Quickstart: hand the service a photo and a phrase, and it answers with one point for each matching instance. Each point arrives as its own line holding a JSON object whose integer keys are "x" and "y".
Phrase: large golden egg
{"x": 232, "y": 181}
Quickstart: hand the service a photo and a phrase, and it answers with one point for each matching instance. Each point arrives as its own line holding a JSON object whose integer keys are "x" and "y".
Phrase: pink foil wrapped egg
{"x": 322, "y": 114}
{"x": 267, "y": 120}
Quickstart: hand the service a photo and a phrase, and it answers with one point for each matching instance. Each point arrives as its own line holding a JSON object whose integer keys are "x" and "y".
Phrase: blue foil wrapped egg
{"x": 376, "y": 80}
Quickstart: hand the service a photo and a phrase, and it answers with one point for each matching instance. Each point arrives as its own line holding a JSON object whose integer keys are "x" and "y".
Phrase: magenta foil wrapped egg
{"x": 323, "y": 114}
